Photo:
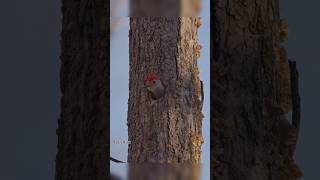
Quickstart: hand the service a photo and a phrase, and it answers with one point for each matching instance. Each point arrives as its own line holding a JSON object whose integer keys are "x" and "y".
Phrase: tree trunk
{"x": 168, "y": 130}
{"x": 254, "y": 89}
{"x": 82, "y": 132}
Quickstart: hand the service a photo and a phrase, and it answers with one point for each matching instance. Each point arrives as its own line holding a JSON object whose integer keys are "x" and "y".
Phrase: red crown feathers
{"x": 152, "y": 77}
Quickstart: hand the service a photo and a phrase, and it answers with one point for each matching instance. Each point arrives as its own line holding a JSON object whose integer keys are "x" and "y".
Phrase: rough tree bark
{"x": 82, "y": 132}
{"x": 254, "y": 89}
{"x": 170, "y": 129}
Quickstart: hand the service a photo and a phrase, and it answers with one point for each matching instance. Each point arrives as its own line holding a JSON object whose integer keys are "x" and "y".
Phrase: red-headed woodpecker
{"x": 155, "y": 86}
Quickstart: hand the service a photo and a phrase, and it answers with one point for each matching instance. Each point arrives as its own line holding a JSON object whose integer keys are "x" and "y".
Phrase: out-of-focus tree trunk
{"x": 170, "y": 129}
{"x": 115, "y": 19}
{"x": 254, "y": 89}
{"x": 82, "y": 133}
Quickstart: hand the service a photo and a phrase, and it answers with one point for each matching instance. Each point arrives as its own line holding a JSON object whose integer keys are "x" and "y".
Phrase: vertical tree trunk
{"x": 170, "y": 129}
{"x": 82, "y": 132}
{"x": 254, "y": 91}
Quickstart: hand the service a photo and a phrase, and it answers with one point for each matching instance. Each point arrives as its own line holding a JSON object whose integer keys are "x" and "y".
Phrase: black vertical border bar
{"x": 108, "y": 86}
{"x": 212, "y": 58}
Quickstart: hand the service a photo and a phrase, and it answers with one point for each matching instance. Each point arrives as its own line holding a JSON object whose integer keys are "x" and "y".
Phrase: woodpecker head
{"x": 152, "y": 80}
{"x": 154, "y": 86}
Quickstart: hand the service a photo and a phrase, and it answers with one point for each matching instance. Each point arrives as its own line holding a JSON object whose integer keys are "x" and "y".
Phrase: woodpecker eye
{"x": 153, "y": 82}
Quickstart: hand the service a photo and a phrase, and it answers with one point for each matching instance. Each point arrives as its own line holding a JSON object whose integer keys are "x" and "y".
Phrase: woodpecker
{"x": 155, "y": 86}
{"x": 202, "y": 94}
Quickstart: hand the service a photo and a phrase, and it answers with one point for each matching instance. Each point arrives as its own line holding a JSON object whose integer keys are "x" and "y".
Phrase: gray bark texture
{"x": 254, "y": 88}
{"x": 168, "y": 130}
{"x": 82, "y": 126}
